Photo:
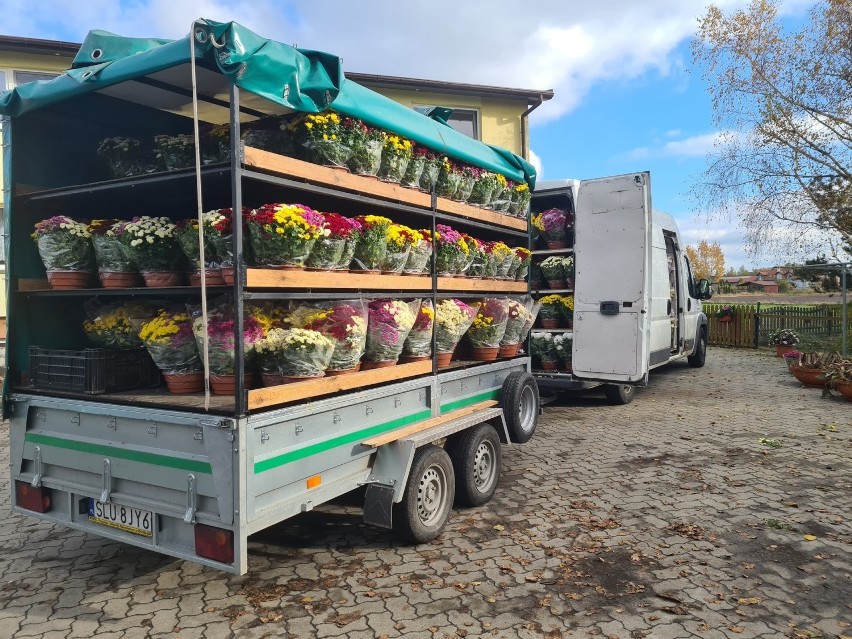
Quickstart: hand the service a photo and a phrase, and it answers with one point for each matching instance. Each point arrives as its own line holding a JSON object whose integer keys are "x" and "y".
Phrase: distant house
{"x": 776, "y": 273}
{"x": 760, "y": 286}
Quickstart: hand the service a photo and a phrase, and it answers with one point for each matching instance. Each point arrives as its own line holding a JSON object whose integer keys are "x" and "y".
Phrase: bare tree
{"x": 783, "y": 165}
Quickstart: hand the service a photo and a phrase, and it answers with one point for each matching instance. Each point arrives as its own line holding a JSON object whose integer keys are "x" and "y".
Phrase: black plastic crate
{"x": 93, "y": 370}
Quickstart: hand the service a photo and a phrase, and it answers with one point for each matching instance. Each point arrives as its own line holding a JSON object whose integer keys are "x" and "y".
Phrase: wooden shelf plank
{"x": 300, "y": 391}
{"x": 298, "y": 278}
{"x": 338, "y": 179}
{"x": 462, "y": 284}
{"x": 395, "y": 435}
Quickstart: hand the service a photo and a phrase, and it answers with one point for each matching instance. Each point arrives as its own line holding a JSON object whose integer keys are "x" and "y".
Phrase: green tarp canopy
{"x": 296, "y": 79}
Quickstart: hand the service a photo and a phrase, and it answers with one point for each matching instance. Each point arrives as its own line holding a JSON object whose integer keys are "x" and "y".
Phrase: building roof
{"x": 763, "y": 284}
{"x": 69, "y": 49}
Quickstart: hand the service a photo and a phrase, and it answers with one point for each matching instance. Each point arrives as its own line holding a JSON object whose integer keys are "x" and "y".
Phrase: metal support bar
{"x": 191, "y": 500}
{"x": 106, "y": 482}
{"x": 241, "y": 395}
{"x": 37, "y": 471}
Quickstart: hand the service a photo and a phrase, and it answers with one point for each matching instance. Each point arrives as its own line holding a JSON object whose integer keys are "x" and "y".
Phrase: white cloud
{"x": 696, "y": 146}
{"x": 674, "y": 133}
{"x": 549, "y": 44}
{"x": 535, "y": 160}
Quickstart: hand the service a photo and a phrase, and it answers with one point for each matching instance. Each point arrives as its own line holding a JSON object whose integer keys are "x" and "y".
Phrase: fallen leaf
{"x": 749, "y": 601}
{"x": 736, "y": 629}
{"x": 499, "y": 528}
{"x": 809, "y": 537}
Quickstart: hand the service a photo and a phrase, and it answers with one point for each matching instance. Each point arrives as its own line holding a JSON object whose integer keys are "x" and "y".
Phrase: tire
{"x": 477, "y": 458}
{"x": 428, "y": 498}
{"x": 699, "y": 355}
{"x": 619, "y": 394}
{"x": 520, "y": 403}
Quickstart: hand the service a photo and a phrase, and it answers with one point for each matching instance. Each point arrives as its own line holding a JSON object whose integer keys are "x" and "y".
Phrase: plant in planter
{"x": 420, "y": 258}
{"x": 345, "y": 324}
{"x": 553, "y": 270}
{"x": 451, "y": 250}
{"x": 431, "y": 171}
{"x": 449, "y": 178}
{"x": 792, "y": 358}
{"x": 400, "y": 241}
{"x": 323, "y": 138}
{"x": 478, "y": 257}
{"x": 122, "y": 157}
{"x": 372, "y": 242}
{"x": 563, "y": 344}
{"x": 725, "y": 313}
{"x": 503, "y": 257}
{"x": 452, "y": 319}
{"x": 519, "y": 313}
{"x": 525, "y": 257}
{"x": 414, "y": 171}
{"x": 292, "y": 354}
{"x": 568, "y": 268}
{"x": 551, "y": 311}
{"x": 501, "y": 198}
{"x": 115, "y": 265}
{"x": 396, "y": 154}
{"x": 484, "y": 187}
{"x": 186, "y": 233}
{"x": 488, "y": 328}
{"x": 521, "y": 196}
{"x": 418, "y": 344}
{"x": 783, "y": 340}
{"x": 551, "y": 224}
{"x": 65, "y": 248}
{"x": 170, "y": 341}
{"x": 330, "y": 250}
{"x": 116, "y": 325}
{"x": 467, "y": 178}
{"x": 567, "y": 303}
{"x": 221, "y": 346}
{"x": 367, "y": 143}
{"x": 543, "y": 351}
{"x": 282, "y": 235}
{"x": 153, "y": 247}
{"x": 219, "y": 225}
{"x": 388, "y": 326}
{"x": 838, "y": 376}
{"x": 812, "y": 367}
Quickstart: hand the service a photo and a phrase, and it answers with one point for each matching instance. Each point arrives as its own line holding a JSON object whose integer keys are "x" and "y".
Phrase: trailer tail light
{"x": 35, "y": 499}
{"x": 214, "y": 543}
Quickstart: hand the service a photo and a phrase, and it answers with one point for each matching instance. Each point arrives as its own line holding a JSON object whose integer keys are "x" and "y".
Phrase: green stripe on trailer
{"x": 321, "y": 447}
{"x": 131, "y": 455}
{"x": 461, "y": 403}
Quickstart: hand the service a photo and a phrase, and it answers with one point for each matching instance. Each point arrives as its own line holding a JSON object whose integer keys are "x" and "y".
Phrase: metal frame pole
{"x": 241, "y": 396}
{"x": 843, "y": 297}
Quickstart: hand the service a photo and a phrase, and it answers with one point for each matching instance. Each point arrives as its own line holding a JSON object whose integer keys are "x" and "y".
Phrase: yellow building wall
{"x": 499, "y": 120}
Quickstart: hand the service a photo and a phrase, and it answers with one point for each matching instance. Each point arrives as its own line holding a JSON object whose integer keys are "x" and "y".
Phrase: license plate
{"x": 132, "y": 520}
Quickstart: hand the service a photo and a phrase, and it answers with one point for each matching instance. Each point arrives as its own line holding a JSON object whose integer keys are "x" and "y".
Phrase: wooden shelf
{"x": 565, "y": 251}
{"x": 300, "y": 391}
{"x": 339, "y": 179}
{"x": 461, "y": 284}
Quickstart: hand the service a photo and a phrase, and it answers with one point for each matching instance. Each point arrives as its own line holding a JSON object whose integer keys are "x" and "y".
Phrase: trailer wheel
{"x": 477, "y": 458}
{"x": 699, "y": 355}
{"x": 520, "y": 403}
{"x": 428, "y": 497}
{"x": 619, "y": 394}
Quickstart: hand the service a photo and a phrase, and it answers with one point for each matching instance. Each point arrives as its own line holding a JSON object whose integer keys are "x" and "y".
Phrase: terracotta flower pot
{"x": 213, "y": 276}
{"x": 556, "y": 284}
{"x": 226, "y": 384}
{"x": 366, "y": 366}
{"x": 228, "y": 275}
{"x": 558, "y": 244}
{"x": 549, "y": 323}
{"x": 183, "y": 384}
{"x": 810, "y": 377}
{"x": 119, "y": 279}
{"x": 345, "y": 371}
{"x": 484, "y": 354}
{"x": 845, "y": 389}
{"x": 444, "y": 359}
{"x": 272, "y": 379}
{"x": 548, "y": 366}
{"x": 292, "y": 379}
{"x": 566, "y": 366}
{"x": 780, "y": 349}
{"x": 569, "y": 284}
{"x": 508, "y": 350}
{"x": 408, "y": 359}
{"x": 69, "y": 279}
{"x": 160, "y": 279}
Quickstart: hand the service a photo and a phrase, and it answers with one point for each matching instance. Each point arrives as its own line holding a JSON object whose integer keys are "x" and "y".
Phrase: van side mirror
{"x": 704, "y": 290}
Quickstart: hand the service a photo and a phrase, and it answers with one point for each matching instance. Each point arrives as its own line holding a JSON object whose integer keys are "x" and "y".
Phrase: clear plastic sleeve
{"x": 393, "y": 166}
{"x": 413, "y": 172}
{"x": 395, "y": 259}
{"x": 489, "y": 325}
{"x": 466, "y": 183}
{"x": 478, "y": 260}
{"x": 370, "y": 251}
{"x": 429, "y": 176}
{"x": 65, "y": 252}
{"x": 294, "y": 352}
{"x": 504, "y": 264}
{"x": 221, "y": 344}
{"x": 452, "y": 319}
{"x": 519, "y": 207}
{"x": 326, "y": 253}
{"x": 552, "y": 268}
{"x": 278, "y": 250}
{"x": 186, "y": 235}
{"x": 389, "y": 323}
{"x": 523, "y": 269}
{"x": 344, "y": 323}
{"x": 173, "y": 152}
{"x": 542, "y": 348}
{"x": 366, "y": 157}
{"x": 122, "y": 157}
{"x": 348, "y": 253}
{"x": 448, "y": 183}
{"x": 482, "y": 191}
{"x": 170, "y": 341}
{"x": 419, "y": 259}
{"x": 519, "y": 313}
{"x": 111, "y": 255}
{"x": 327, "y": 152}
{"x": 528, "y": 324}
{"x": 419, "y": 340}
{"x": 502, "y": 200}
{"x": 116, "y": 325}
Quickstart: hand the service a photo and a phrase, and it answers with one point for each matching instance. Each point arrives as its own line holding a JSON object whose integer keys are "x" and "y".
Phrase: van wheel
{"x": 477, "y": 458}
{"x": 619, "y": 394}
{"x": 428, "y": 498}
{"x": 699, "y": 355}
{"x": 520, "y": 403}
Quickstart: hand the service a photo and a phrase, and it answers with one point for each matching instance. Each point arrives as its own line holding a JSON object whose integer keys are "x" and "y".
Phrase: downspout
{"x": 524, "y": 141}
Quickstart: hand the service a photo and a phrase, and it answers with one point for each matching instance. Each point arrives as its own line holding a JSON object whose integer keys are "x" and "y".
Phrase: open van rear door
{"x": 612, "y": 279}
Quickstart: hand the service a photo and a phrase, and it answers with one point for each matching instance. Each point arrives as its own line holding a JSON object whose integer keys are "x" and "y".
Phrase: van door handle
{"x": 669, "y": 307}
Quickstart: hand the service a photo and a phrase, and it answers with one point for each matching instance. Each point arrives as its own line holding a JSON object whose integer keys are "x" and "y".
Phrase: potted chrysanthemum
{"x": 186, "y": 233}
{"x": 388, "y": 326}
{"x": 333, "y": 249}
{"x": 563, "y": 344}
{"x": 219, "y": 225}
{"x": 418, "y": 344}
{"x": 115, "y": 265}
{"x": 366, "y": 143}
{"x": 484, "y": 187}
{"x": 543, "y": 351}
{"x": 323, "y": 138}
{"x": 525, "y": 257}
{"x": 345, "y": 324}
{"x": 420, "y": 257}
{"x": 153, "y": 246}
{"x": 413, "y": 172}
{"x": 171, "y": 343}
{"x": 221, "y": 347}
{"x": 452, "y": 319}
{"x": 116, "y": 325}
{"x": 292, "y": 354}
{"x": 450, "y": 253}
{"x": 372, "y": 242}
{"x": 520, "y": 201}
{"x": 518, "y": 314}
{"x": 400, "y": 240}
{"x": 488, "y": 328}
{"x": 396, "y": 154}
{"x": 449, "y": 178}
{"x": 65, "y": 248}
{"x": 282, "y": 235}
{"x": 552, "y": 223}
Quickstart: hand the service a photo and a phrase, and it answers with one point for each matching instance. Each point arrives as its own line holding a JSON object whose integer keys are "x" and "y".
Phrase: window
{"x": 463, "y": 120}
{"x": 22, "y": 77}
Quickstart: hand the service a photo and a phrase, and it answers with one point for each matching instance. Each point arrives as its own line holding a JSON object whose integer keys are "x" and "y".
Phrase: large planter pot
{"x": 184, "y": 384}
{"x": 227, "y": 384}
{"x": 484, "y": 354}
{"x": 556, "y": 284}
{"x": 508, "y": 350}
{"x": 810, "y": 377}
{"x": 366, "y": 366}
{"x": 550, "y": 323}
{"x": 213, "y": 276}
{"x": 69, "y": 279}
{"x": 558, "y": 244}
{"x": 548, "y": 366}
{"x": 159, "y": 279}
{"x": 228, "y": 275}
{"x": 780, "y": 349}
{"x": 272, "y": 379}
{"x": 292, "y": 379}
{"x": 845, "y": 389}
{"x": 444, "y": 359}
{"x": 119, "y": 279}
{"x": 345, "y": 371}
{"x": 410, "y": 359}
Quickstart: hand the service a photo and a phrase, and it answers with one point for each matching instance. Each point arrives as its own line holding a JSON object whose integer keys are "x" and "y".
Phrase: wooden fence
{"x": 752, "y": 323}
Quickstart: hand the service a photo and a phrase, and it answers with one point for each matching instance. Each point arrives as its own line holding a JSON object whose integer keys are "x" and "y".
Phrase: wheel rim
{"x": 484, "y": 467}
{"x": 526, "y": 408}
{"x": 432, "y": 495}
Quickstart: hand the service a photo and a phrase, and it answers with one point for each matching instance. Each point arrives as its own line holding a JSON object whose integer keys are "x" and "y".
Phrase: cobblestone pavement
{"x": 666, "y": 518}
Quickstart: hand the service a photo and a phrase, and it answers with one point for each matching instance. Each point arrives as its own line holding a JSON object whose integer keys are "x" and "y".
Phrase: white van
{"x": 636, "y": 303}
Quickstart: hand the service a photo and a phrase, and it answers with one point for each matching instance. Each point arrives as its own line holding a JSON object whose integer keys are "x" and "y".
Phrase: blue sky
{"x": 626, "y": 98}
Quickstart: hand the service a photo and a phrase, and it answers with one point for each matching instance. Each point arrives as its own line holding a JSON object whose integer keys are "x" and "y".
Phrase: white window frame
{"x": 477, "y": 116}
